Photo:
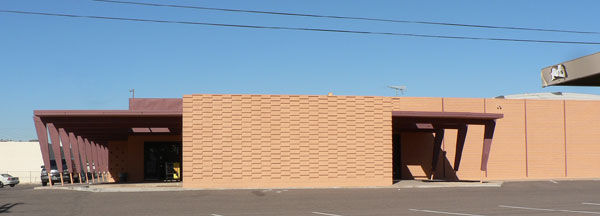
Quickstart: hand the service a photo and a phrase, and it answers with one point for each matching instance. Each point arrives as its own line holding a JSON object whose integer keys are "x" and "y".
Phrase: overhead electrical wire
{"x": 351, "y": 18}
{"x": 297, "y": 28}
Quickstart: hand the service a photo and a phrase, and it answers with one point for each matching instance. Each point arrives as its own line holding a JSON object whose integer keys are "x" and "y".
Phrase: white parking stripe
{"x": 555, "y": 182}
{"x": 441, "y": 212}
{"x": 591, "y": 203}
{"x": 216, "y": 215}
{"x": 550, "y": 210}
{"x": 321, "y": 213}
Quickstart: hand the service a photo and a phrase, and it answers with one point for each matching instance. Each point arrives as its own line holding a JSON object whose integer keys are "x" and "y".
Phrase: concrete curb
{"x": 92, "y": 188}
{"x": 478, "y": 185}
{"x": 115, "y": 189}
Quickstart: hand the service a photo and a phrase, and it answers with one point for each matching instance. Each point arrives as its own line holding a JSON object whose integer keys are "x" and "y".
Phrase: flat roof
{"x": 105, "y": 113}
{"x": 447, "y": 115}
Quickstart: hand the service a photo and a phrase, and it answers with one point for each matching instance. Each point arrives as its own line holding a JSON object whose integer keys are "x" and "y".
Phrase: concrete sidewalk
{"x": 177, "y": 186}
{"x": 444, "y": 184}
{"x": 114, "y": 187}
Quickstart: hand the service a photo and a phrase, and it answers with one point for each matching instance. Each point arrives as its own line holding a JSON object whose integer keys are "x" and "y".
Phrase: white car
{"x": 6, "y": 179}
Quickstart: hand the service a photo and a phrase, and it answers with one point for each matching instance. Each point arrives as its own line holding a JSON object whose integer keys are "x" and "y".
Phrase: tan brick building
{"x": 264, "y": 141}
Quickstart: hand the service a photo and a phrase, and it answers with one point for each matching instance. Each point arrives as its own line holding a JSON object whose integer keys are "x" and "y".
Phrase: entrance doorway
{"x": 162, "y": 160}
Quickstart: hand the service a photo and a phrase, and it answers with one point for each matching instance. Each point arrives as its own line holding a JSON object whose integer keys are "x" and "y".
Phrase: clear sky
{"x": 70, "y": 63}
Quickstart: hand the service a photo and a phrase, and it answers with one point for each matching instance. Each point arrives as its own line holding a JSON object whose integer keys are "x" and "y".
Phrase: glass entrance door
{"x": 158, "y": 159}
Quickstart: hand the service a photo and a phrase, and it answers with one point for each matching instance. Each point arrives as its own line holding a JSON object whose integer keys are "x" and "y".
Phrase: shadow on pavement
{"x": 6, "y": 207}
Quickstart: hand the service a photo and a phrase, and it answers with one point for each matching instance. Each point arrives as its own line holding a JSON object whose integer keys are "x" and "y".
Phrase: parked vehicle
{"x": 55, "y": 175}
{"x": 6, "y": 179}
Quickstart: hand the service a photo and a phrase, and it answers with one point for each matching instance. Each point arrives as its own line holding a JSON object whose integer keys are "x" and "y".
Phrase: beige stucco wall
{"x": 21, "y": 159}
{"x": 236, "y": 141}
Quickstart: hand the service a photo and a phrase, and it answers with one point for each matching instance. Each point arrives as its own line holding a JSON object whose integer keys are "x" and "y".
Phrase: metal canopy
{"x": 583, "y": 71}
{"x": 436, "y": 122}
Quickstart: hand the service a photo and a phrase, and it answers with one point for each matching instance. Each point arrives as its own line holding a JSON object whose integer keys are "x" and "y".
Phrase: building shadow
{"x": 5, "y": 208}
{"x": 416, "y": 159}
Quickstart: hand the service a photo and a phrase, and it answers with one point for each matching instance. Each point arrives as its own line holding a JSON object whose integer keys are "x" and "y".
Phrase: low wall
{"x": 21, "y": 159}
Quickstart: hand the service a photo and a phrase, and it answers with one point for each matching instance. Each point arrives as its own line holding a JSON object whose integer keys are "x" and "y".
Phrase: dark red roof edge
{"x": 452, "y": 115}
{"x": 91, "y": 113}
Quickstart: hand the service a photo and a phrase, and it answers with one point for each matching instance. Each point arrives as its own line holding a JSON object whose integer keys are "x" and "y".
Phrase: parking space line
{"x": 321, "y": 213}
{"x": 555, "y": 182}
{"x": 549, "y": 210}
{"x": 585, "y": 203}
{"x": 441, "y": 212}
{"x": 216, "y": 215}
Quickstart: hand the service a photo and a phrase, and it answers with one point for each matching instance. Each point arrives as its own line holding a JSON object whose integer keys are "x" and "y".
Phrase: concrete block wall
{"x": 536, "y": 139}
{"x": 508, "y": 158}
{"x": 582, "y": 138}
{"x": 247, "y": 141}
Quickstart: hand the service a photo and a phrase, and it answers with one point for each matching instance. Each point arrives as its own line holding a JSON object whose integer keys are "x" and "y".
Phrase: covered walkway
{"x": 437, "y": 122}
{"x": 84, "y": 135}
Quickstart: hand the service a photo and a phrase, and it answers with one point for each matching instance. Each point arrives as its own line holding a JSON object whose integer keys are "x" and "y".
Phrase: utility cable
{"x": 299, "y": 28}
{"x": 351, "y": 18}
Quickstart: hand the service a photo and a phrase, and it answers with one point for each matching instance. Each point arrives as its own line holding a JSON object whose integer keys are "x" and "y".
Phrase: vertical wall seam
{"x": 484, "y": 106}
{"x": 565, "y": 133}
{"x": 526, "y": 151}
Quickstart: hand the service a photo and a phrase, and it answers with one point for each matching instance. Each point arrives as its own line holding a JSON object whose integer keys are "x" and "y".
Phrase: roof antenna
{"x": 398, "y": 89}
{"x": 132, "y": 93}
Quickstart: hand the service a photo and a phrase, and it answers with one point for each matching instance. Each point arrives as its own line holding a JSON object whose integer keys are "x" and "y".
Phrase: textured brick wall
{"x": 286, "y": 141}
{"x": 320, "y": 141}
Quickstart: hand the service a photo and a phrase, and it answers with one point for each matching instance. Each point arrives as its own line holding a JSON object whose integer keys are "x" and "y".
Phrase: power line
{"x": 299, "y": 28}
{"x": 351, "y": 18}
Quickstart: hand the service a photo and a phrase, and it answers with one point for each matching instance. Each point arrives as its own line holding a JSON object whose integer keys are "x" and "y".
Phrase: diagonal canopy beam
{"x": 461, "y": 137}
{"x": 437, "y": 148}
{"x": 66, "y": 146}
{"x": 55, "y": 142}
{"x": 42, "y": 134}
{"x": 75, "y": 148}
{"x": 487, "y": 144}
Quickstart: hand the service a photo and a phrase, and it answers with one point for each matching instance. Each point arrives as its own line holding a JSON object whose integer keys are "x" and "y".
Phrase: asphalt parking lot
{"x": 513, "y": 198}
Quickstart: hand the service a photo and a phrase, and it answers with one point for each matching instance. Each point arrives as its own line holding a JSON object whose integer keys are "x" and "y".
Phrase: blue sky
{"x": 67, "y": 63}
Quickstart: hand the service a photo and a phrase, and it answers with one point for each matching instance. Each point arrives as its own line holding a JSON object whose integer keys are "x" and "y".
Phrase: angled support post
{"x": 461, "y": 137}
{"x": 75, "y": 149}
{"x": 105, "y": 156}
{"x": 88, "y": 152}
{"x": 437, "y": 148}
{"x": 82, "y": 151}
{"x": 487, "y": 146}
{"x": 66, "y": 146}
{"x": 42, "y": 134}
{"x": 95, "y": 159}
{"x": 54, "y": 137}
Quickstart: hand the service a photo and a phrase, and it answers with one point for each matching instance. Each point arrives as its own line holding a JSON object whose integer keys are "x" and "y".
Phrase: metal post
{"x": 61, "y": 179}
{"x": 79, "y": 178}
{"x": 71, "y": 177}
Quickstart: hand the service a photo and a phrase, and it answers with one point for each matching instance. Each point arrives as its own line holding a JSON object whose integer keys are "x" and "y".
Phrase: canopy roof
{"x": 87, "y": 132}
{"x": 436, "y": 122}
